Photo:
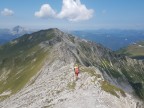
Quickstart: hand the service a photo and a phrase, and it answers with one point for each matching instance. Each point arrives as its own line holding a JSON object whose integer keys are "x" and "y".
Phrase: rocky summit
{"x": 37, "y": 71}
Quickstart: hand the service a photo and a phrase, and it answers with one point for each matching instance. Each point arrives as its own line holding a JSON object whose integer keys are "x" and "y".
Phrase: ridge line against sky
{"x": 73, "y": 14}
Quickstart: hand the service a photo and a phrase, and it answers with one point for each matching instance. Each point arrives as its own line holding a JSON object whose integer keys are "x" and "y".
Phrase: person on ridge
{"x": 76, "y": 69}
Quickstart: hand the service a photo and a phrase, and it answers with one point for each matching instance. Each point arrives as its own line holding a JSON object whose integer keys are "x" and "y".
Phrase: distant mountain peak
{"x": 19, "y": 30}
{"x": 18, "y": 27}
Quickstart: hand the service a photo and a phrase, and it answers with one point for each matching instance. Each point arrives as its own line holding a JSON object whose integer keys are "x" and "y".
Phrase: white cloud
{"x": 7, "y": 12}
{"x": 45, "y": 12}
{"x": 73, "y": 10}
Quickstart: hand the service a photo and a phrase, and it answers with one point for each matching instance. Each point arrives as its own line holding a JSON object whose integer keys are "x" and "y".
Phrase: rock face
{"x": 103, "y": 82}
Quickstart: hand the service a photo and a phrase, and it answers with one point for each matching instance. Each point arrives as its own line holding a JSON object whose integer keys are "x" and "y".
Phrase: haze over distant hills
{"x": 112, "y": 38}
{"x": 8, "y": 34}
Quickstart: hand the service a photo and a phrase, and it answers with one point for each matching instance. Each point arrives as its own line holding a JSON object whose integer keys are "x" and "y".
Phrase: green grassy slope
{"x": 21, "y": 59}
{"x": 135, "y": 50}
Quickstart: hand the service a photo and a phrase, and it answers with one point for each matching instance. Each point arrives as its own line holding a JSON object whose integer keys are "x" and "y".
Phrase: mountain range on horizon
{"x": 37, "y": 70}
{"x": 114, "y": 39}
{"x": 7, "y": 35}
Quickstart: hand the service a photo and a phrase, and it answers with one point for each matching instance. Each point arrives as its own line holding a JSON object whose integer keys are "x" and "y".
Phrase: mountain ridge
{"x": 44, "y": 61}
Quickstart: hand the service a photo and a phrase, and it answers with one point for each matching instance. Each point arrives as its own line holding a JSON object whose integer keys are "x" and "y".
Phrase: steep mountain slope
{"x": 21, "y": 59}
{"x": 135, "y": 50}
{"x": 36, "y": 70}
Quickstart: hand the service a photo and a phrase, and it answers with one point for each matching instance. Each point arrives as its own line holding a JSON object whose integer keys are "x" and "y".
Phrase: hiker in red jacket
{"x": 76, "y": 69}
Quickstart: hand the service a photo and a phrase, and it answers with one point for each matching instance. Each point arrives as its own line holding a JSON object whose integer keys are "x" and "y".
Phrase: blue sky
{"x": 72, "y": 14}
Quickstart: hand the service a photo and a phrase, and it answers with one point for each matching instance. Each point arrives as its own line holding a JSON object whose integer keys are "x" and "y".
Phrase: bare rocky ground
{"x": 56, "y": 87}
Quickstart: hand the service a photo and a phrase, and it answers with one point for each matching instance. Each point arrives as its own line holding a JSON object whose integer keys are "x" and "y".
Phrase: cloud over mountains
{"x": 45, "y": 11}
{"x": 72, "y": 10}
